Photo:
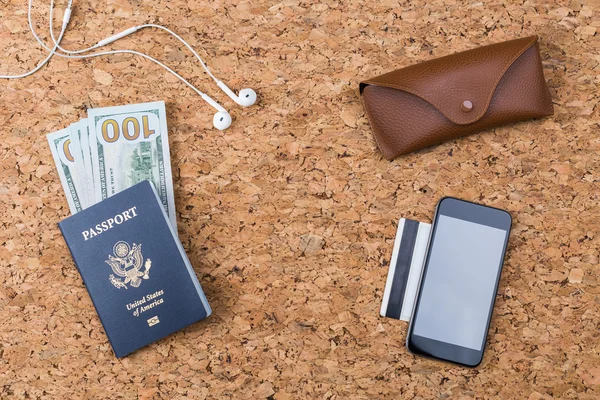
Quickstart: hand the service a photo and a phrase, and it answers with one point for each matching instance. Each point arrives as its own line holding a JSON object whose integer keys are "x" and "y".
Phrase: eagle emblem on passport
{"x": 126, "y": 263}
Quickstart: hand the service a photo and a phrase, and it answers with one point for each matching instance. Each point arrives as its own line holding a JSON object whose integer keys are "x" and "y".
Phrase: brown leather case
{"x": 452, "y": 96}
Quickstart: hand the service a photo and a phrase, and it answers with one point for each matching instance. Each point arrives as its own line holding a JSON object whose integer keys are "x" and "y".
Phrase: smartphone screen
{"x": 459, "y": 281}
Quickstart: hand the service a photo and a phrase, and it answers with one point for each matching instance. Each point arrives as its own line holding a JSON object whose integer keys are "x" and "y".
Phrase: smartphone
{"x": 459, "y": 281}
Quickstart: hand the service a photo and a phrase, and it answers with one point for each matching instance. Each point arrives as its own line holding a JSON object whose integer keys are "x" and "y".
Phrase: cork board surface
{"x": 289, "y": 216}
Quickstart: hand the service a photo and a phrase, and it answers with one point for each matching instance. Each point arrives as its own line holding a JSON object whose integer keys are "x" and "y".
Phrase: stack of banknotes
{"x": 111, "y": 150}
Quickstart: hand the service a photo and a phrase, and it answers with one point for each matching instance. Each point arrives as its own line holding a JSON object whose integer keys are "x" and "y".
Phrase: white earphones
{"x": 221, "y": 119}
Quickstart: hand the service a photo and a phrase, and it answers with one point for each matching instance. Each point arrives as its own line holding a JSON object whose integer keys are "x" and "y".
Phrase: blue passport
{"x": 134, "y": 268}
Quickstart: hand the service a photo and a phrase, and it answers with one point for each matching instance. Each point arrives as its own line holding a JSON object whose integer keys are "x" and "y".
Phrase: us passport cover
{"x": 134, "y": 268}
{"x": 406, "y": 266}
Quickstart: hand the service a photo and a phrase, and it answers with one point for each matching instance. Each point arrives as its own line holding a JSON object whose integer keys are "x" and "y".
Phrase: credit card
{"x": 408, "y": 256}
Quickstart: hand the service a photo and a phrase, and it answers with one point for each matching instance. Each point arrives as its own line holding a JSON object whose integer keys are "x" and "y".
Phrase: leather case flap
{"x": 449, "y": 81}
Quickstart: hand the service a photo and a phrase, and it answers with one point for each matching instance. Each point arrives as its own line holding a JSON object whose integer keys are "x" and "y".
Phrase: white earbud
{"x": 221, "y": 119}
{"x": 246, "y": 98}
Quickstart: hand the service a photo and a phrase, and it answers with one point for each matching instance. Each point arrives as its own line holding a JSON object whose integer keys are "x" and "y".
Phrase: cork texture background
{"x": 289, "y": 216}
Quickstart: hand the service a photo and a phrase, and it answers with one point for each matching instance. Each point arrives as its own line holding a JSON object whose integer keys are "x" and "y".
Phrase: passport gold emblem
{"x": 153, "y": 321}
{"x": 126, "y": 262}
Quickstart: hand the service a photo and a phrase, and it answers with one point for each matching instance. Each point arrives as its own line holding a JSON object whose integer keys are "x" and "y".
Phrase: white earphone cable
{"x": 57, "y": 42}
{"x": 221, "y": 119}
{"x": 52, "y": 51}
{"x": 111, "y": 52}
{"x": 186, "y": 45}
{"x": 123, "y": 34}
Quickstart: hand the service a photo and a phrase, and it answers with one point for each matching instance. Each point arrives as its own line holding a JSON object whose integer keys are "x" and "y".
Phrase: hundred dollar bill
{"x": 130, "y": 144}
{"x": 62, "y": 151}
{"x": 81, "y": 149}
{"x": 75, "y": 149}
